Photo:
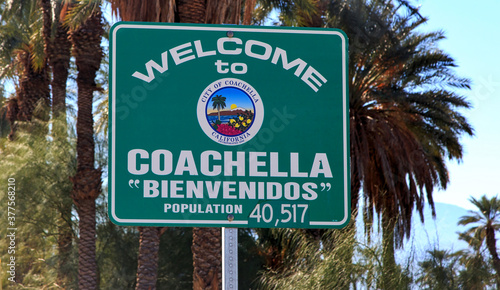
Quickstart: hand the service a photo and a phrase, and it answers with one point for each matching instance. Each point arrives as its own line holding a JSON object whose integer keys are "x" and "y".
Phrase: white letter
{"x": 262, "y": 190}
{"x": 149, "y": 68}
{"x": 229, "y": 163}
{"x": 167, "y": 162}
{"x": 321, "y": 159}
{"x": 308, "y": 187}
{"x": 286, "y": 65}
{"x": 186, "y": 156}
{"x": 292, "y": 195}
{"x": 151, "y": 188}
{"x": 255, "y": 164}
{"x": 219, "y": 65}
{"x": 199, "y": 50}
{"x": 244, "y": 189}
{"x": 176, "y": 55}
{"x": 275, "y": 166}
{"x": 205, "y": 162}
{"x": 274, "y": 194}
{"x": 294, "y": 166}
{"x": 132, "y": 161}
{"x": 242, "y": 71}
{"x": 308, "y": 75}
{"x": 213, "y": 191}
{"x": 267, "y": 49}
{"x": 174, "y": 188}
{"x": 227, "y": 189}
{"x": 222, "y": 50}
{"x": 196, "y": 189}
{"x": 164, "y": 188}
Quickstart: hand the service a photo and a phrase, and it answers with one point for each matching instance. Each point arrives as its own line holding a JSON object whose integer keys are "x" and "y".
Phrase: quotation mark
{"x": 327, "y": 185}
{"x": 133, "y": 182}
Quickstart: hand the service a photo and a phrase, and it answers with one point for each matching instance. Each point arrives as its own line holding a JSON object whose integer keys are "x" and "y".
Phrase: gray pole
{"x": 229, "y": 258}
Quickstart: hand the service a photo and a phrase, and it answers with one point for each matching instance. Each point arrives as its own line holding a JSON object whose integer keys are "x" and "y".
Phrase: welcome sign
{"x": 234, "y": 126}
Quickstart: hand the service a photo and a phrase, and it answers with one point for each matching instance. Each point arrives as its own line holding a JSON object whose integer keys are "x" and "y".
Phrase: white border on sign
{"x": 234, "y": 29}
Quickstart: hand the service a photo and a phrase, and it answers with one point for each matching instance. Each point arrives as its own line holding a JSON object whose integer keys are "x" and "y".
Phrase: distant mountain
{"x": 228, "y": 112}
{"x": 440, "y": 232}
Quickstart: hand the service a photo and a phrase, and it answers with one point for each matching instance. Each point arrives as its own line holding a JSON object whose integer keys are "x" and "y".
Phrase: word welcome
{"x": 233, "y": 46}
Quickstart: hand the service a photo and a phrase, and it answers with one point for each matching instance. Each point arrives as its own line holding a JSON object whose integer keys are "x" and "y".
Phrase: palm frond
{"x": 81, "y": 11}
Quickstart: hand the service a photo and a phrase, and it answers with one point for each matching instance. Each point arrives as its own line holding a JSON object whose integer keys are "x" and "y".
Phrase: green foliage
{"x": 250, "y": 262}
{"x": 291, "y": 13}
{"x": 80, "y": 12}
{"x": 116, "y": 252}
{"x": 439, "y": 270}
{"x": 175, "y": 265}
{"x": 4, "y": 122}
{"x": 41, "y": 166}
{"x": 485, "y": 222}
{"x": 475, "y": 272}
{"x": 335, "y": 261}
{"x": 20, "y": 31}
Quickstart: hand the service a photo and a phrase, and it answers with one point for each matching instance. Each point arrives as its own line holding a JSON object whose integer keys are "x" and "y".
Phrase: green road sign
{"x": 228, "y": 126}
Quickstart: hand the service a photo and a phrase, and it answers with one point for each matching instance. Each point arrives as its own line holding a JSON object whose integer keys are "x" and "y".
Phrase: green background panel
{"x": 162, "y": 114}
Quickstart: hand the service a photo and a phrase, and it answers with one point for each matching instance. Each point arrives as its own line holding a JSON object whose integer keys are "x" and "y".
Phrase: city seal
{"x": 230, "y": 111}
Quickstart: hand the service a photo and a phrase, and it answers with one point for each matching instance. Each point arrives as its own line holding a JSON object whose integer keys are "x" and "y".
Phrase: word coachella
{"x": 212, "y": 163}
{"x": 233, "y": 46}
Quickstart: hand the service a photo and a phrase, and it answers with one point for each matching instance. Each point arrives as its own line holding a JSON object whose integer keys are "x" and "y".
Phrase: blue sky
{"x": 473, "y": 40}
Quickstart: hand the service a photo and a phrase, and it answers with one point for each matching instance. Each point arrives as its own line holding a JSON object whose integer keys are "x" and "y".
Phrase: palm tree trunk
{"x": 87, "y": 265}
{"x": 223, "y": 11}
{"x": 207, "y": 258}
{"x": 12, "y": 115}
{"x": 64, "y": 244}
{"x": 33, "y": 89}
{"x": 86, "y": 40}
{"x": 147, "y": 264}
{"x": 388, "y": 260}
{"x": 492, "y": 248}
{"x": 58, "y": 53}
{"x": 248, "y": 13}
{"x": 59, "y": 61}
{"x": 191, "y": 11}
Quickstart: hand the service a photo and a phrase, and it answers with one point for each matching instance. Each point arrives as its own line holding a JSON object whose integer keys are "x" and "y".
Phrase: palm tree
{"x": 219, "y": 102}
{"x": 439, "y": 270}
{"x": 22, "y": 59}
{"x": 57, "y": 50}
{"x": 485, "y": 222}
{"x": 403, "y": 106}
{"x": 86, "y": 40}
{"x": 403, "y": 114}
{"x": 476, "y": 273}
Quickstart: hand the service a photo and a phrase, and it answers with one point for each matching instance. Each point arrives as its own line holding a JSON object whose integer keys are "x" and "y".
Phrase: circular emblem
{"x": 230, "y": 111}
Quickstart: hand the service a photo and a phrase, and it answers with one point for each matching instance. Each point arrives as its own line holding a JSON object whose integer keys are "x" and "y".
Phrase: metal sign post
{"x": 229, "y": 258}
